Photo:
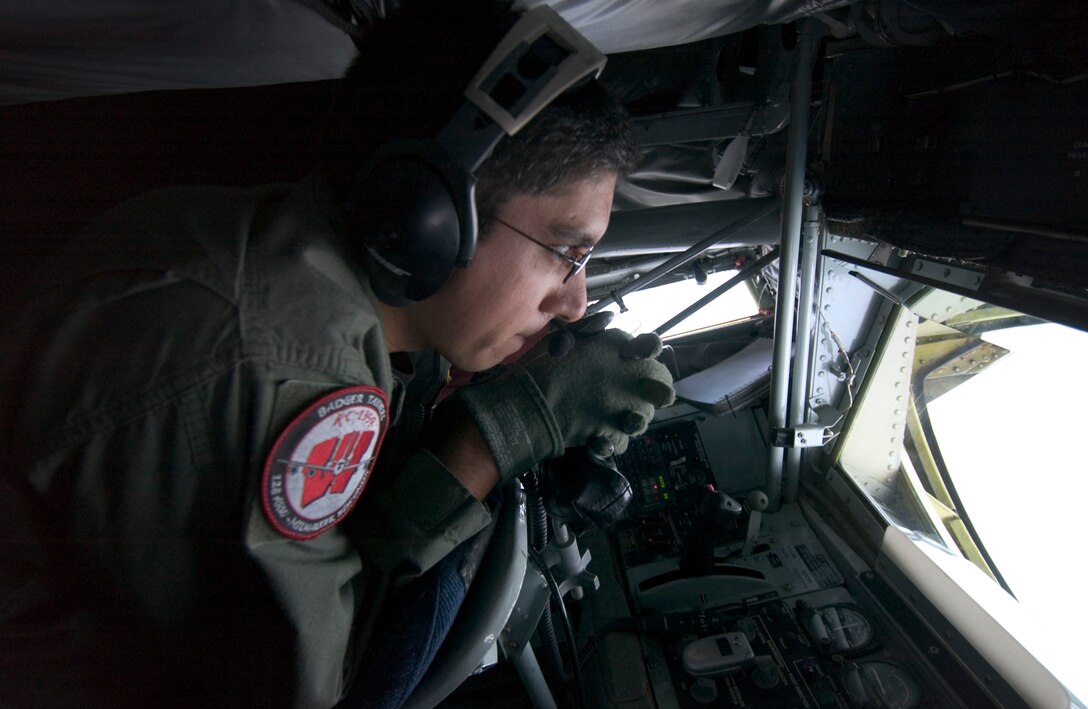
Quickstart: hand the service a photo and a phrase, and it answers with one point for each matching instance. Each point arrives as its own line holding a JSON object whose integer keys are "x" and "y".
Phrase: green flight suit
{"x": 145, "y": 382}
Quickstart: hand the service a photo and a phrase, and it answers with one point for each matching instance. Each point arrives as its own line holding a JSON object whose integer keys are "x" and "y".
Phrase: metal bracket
{"x": 942, "y": 272}
{"x": 800, "y": 437}
{"x": 568, "y": 566}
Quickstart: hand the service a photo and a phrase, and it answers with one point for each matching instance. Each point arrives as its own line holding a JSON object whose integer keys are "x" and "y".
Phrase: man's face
{"x": 514, "y": 287}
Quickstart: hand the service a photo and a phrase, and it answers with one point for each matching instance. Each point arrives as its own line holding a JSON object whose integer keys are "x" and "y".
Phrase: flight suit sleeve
{"x": 332, "y": 585}
{"x": 418, "y": 518}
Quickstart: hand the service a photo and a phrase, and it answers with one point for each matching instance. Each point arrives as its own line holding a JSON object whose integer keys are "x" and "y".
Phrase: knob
{"x": 757, "y": 500}
{"x": 765, "y": 675}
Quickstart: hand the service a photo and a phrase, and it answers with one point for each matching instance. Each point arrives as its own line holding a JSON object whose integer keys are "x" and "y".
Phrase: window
{"x": 1008, "y": 439}
{"x": 655, "y": 305}
{"x": 978, "y": 452}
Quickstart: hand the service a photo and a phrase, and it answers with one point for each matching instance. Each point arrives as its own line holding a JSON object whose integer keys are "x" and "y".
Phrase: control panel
{"x": 737, "y": 606}
{"x": 818, "y": 649}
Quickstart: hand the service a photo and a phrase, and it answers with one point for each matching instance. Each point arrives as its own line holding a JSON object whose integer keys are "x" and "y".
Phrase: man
{"x": 201, "y": 503}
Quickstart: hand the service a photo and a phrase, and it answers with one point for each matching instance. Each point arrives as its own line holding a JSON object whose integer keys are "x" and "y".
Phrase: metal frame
{"x": 785, "y": 331}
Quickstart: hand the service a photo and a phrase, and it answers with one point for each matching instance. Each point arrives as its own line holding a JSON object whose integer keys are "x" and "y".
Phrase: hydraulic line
{"x": 802, "y": 344}
{"x": 792, "y": 205}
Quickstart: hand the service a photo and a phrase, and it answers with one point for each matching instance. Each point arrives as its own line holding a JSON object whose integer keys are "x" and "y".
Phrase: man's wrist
{"x": 465, "y": 454}
{"x": 514, "y": 420}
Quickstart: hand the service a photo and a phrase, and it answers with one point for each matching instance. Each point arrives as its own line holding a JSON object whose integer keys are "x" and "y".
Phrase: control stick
{"x": 757, "y": 502}
{"x": 715, "y": 513}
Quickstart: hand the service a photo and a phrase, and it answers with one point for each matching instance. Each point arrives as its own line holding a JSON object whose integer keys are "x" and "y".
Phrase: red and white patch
{"x": 320, "y": 463}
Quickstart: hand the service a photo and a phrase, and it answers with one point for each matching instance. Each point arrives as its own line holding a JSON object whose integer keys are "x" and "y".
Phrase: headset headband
{"x": 539, "y": 59}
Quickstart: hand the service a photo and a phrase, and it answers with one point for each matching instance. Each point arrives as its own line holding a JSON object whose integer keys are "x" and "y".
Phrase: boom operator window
{"x": 988, "y": 465}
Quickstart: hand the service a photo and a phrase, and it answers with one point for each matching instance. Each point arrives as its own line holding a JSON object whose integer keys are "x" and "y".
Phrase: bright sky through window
{"x": 1009, "y": 437}
{"x": 655, "y": 305}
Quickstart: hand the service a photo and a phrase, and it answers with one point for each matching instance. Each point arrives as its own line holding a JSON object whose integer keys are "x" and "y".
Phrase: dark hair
{"x": 582, "y": 134}
{"x": 409, "y": 78}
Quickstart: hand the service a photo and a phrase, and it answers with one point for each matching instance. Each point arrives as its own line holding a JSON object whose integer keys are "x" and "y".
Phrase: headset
{"x": 420, "y": 219}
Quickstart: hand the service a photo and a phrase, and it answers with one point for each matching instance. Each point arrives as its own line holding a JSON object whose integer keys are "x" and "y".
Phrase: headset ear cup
{"x": 408, "y": 228}
{"x": 413, "y": 212}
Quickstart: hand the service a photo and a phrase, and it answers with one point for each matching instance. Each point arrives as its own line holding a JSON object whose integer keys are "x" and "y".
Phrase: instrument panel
{"x": 733, "y": 606}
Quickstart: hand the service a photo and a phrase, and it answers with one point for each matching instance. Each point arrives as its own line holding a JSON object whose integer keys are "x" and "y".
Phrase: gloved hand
{"x": 599, "y": 393}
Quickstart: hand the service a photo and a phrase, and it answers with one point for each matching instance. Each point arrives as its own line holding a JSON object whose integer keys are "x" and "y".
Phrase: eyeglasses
{"x": 576, "y": 264}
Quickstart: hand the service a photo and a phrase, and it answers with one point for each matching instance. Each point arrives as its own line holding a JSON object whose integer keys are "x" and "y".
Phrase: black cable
{"x": 568, "y": 628}
{"x": 538, "y": 539}
{"x": 619, "y": 625}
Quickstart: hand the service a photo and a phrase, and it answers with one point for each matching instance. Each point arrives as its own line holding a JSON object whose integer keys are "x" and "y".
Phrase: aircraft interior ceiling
{"x": 65, "y": 48}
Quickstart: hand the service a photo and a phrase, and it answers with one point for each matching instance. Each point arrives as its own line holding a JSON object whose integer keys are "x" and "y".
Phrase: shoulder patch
{"x": 321, "y": 461}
